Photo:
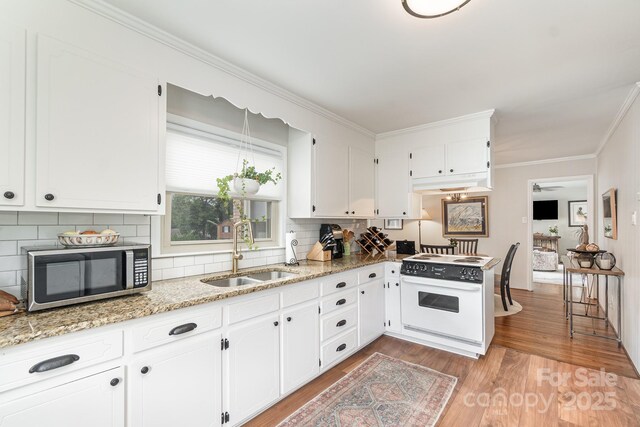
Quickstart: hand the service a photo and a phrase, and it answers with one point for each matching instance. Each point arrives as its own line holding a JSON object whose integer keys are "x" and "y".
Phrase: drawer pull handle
{"x": 372, "y": 275}
{"x": 183, "y": 329}
{"x": 341, "y": 301}
{"x": 341, "y": 347}
{"x": 55, "y": 363}
{"x": 341, "y": 323}
{"x": 341, "y": 285}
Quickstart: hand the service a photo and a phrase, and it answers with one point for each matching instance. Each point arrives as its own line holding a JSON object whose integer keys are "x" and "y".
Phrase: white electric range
{"x": 447, "y": 302}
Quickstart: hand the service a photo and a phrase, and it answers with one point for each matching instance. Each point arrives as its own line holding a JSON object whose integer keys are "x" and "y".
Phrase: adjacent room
{"x": 405, "y": 213}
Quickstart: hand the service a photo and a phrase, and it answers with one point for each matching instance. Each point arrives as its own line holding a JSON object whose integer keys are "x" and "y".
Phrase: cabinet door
{"x": 361, "y": 183}
{"x": 97, "y": 401}
{"x": 428, "y": 162}
{"x": 392, "y": 305}
{"x": 178, "y": 384}
{"x": 97, "y": 143}
{"x": 392, "y": 182}
{"x": 331, "y": 179}
{"x": 371, "y": 306}
{"x": 12, "y": 96}
{"x": 300, "y": 346}
{"x": 467, "y": 157}
{"x": 252, "y": 367}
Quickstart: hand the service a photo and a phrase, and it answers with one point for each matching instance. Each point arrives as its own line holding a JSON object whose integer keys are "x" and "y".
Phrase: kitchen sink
{"x": 250, "y": 279}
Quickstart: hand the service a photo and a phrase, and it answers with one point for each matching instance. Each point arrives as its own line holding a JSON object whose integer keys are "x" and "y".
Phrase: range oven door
{"x": 441, "y": 307}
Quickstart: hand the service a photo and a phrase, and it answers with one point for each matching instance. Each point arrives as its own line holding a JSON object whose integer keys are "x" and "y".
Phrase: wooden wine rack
{"x": 381, "y": 247}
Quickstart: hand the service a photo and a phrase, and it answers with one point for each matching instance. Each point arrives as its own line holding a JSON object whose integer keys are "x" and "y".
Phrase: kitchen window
{"x": 196, "y": 219}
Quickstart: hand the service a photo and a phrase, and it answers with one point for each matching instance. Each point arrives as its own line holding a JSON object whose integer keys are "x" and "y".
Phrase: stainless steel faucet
{"x": 236, "y": 253}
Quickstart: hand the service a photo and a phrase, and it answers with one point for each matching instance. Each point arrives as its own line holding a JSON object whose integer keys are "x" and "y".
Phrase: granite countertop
{"x": 166, "y": 295}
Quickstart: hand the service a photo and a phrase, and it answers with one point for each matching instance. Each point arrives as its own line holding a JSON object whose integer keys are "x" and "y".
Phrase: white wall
{"x": 618, "y": 168}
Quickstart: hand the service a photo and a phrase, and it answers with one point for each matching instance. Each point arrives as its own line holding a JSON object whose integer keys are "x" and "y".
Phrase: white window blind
{"x": 195, "y": 159}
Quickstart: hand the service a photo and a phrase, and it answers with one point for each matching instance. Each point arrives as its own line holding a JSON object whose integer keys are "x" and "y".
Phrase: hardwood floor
{"x": 533, "y": 374}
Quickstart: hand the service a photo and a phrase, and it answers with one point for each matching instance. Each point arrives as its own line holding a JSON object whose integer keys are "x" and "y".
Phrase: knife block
{"x": 317, "y": 254}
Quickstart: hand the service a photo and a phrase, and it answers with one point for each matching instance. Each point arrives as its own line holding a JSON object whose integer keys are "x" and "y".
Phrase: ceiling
{"x": 556, "y": 71}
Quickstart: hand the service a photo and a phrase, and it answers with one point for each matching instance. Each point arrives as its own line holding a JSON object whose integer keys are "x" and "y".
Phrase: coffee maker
{"x": 331, "y": 237}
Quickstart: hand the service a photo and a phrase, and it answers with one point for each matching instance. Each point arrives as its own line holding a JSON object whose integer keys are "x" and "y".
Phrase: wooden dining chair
{"x": 467, "y": 246}
{"x": 506, "y": 275}
{"x": 437, "y": 249}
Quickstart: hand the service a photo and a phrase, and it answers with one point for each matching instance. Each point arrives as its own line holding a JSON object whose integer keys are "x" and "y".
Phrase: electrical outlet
{"x": 524, "y": 219}
{"x": 634, "y": 218}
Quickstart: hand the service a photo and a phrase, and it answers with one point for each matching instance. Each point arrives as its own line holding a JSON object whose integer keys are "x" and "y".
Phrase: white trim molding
{"x": 545, "y": 161}
{"x": 447, "y": 122}
{"x": 628, "y": 102}
{"x": 138, "y": 25}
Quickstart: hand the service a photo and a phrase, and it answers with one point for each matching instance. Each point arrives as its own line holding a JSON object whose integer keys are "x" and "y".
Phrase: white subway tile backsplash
{"x": 194, "y": 270}
{"x": 212, "y": 268}
{"x": 8, "y": 248}
{"x": 37, "y": 218}
{"x": 8, "y": 218}
{"x": 137, "y": 219}
{"x": 111, "y": 219}
{"x": 162, "y": 263}
{"x": 13, "y": 290}
{"x": 18, "y": 232}
{"x": 8, "y": 278}
{"x": 183, "y": 261}
{"x": 13, "y": 263}
{"x": 143, "y": 230}
{"x": 75, "y": 218}
{"x": 137, "y": 240}
{"x": 28, "y": 243}
{"x": 172, "y": 273}
{"x": 125, "y": 230}
{"x": 50, "y": 231}
{"x": 156, "y": 275}
{"x": 203, "y": 259}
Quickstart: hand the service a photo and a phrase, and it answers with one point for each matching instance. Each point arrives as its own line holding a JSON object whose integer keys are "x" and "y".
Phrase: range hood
{"x": 460, "y": 183}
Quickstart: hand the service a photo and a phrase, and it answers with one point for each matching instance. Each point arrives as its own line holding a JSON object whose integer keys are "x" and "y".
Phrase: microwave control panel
{"x": 140, "y": 268}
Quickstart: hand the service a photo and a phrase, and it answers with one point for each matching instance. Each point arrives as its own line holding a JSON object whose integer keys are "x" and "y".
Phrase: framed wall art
{"x": 577, "y": 213}
{"x": 465, "y": 217}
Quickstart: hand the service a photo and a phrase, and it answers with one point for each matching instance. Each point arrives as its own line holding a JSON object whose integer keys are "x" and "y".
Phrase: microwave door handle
{"x": 129, "y": 269}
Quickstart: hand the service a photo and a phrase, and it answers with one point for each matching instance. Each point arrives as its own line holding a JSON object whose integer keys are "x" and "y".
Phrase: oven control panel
{"x": 459, "y": 273}
{"x": 140, "y": 268}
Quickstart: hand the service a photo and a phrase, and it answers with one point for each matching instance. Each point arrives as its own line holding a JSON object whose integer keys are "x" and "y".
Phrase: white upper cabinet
{"x": 467, "y": 157}
{"x": 427, "y": 162}
{"x": 331, "y": 179}
{"x": 361, "y": 183}
{"x": 12, "y": 121}
{"x": 393, "y": 197}
{"x": 97, "y": 132}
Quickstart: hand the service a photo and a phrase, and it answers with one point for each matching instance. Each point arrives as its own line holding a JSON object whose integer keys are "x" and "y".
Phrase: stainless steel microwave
{"x": 57, "y": 277}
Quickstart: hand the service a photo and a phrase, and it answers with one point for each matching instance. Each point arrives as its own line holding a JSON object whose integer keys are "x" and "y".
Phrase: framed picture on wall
{"x": 465, "y": 217}
{"x": 393, "y": 224}
{"x": 610, "y": 214}
{"x": 577, "y": 213}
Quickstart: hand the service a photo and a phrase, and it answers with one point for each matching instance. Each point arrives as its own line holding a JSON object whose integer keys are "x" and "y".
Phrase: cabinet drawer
{"x": 368, "y": 274}
{"x": 339, "y": 347}
{"x": 174, "y": 327}
{"x": 253, "y": 308}
{"x": 300, "y": 292}
{"x": 339, "y": 322}
{"x": 46, "y": 360}
{"x": 338, "y": 301}
{"x": 338, "y": 282}
{"x": 392, "y": 269}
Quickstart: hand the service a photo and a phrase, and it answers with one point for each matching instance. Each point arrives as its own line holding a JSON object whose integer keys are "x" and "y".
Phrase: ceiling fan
{"x": 538, "y": 189}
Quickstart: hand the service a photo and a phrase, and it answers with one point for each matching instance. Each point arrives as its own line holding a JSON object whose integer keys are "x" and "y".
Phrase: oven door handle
{"x": 460, "y": 286}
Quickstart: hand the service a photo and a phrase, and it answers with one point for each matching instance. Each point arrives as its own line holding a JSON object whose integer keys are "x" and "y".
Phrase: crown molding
{"x": 545, "y": 161}
{"x": 144, "y": 28}
{"x": 489, "y": 114}
{"x": 628, "y": 102}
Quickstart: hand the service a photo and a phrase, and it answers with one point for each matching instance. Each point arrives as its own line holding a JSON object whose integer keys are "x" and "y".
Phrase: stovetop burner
{"x": 468, "y": 260}
{"x": 426, "y": 256}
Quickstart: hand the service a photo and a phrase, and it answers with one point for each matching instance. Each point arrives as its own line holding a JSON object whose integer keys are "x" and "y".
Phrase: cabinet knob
{"x": 288, "y": 319}
{"x": 362, "y": 292}
{"x": 276, "y": 323}
{"x": 144, "y": 370}
{"x": 353, "y": 212}
{"x": 450, "y": 170}
{"x": 404, "y": 213}
{"x": 397, "y": 284}
{"x": 393, "y": 272}
{"x": 9, "y": 195}
{"x": 347, "y": 212}
{"x": 114, "y": 382}
{"x": 440, "y": 171}
{"x": 49, "y": 197}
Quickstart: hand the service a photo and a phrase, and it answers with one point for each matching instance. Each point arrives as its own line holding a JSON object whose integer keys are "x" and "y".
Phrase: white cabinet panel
{"x": 428, "y": 162}
{"x": 392, "y": 183}
{"x": 361, "y": 183}
{"x": 392, "y": 305}
{"x": 372, "y": 313}
{"x": 252, "y": 367}
{"x": 467, "y": 157}
{"x": 300, "y": 346}
{"x": 97, "y": 401}
{"x": 178, "y": 384}
{"x": 97, "y": 132}
{"x": 332, "y": 179}
{"x": 12, "y": 107}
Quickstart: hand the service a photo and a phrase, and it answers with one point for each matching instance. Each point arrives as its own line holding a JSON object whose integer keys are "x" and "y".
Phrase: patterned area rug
{"x": 382, "y": 391}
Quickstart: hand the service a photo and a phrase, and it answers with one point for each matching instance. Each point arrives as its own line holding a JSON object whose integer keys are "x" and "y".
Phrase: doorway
{"x": 557, "y": 210}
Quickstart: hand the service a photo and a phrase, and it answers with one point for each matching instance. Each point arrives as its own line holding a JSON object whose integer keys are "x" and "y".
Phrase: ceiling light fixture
{"x": 456, "y": 197}
{"x": 432, "y": 8}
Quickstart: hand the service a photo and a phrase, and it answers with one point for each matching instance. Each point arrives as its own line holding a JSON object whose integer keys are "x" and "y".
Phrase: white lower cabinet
{"x": 177, "y": 384}
{"x": 371, "y": 305}
{"x": 252, "y": 367}
{"x": 392, "y": 298}
{"x": 300, "y": 346}
{"x": 97, "y": 400}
